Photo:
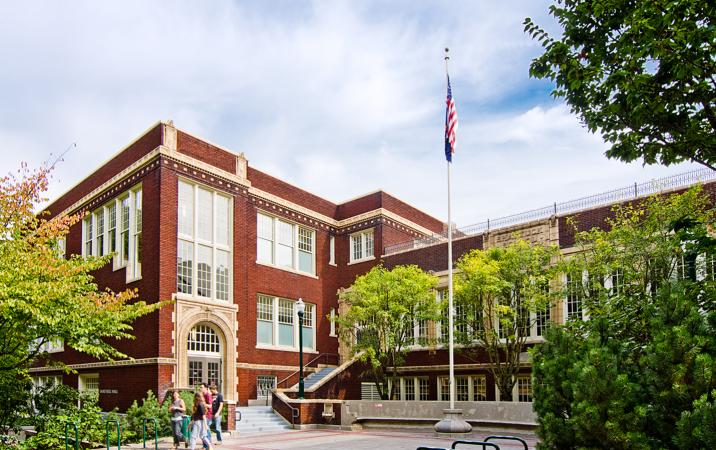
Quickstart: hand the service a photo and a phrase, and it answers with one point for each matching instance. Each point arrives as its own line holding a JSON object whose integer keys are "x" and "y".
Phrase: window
{"x": 45, "y": 382}
{"x": 277, "y": 323}
{"x": 524, "y": 389}
{"x": 479, "y": 388}
{"x": 52, "y": 346}
{"x": 264, "y": 385}
{"x": 444, "y": 388}
{"x": 617, "y": 281}
{"x": 332, "y": 251}
{"x": 203, "y": 243}
{"x": 195, "y": 372}
{"x": 100, "y": 232}
{"x": 124, "y": 232}
{"x": 574, "y": 295}
{"x": 285, "y": 244}
{"x": 333, "y": 322}
{"x": 203, "y": 339}
{"x": 89, "y": 383}
{"x": 361, "y": 246}
{"x": 467, "y": 388}
{"x": 61, "y": 247}
{"x": 285, "y": 322}
{"x": 709, "y": 262}
{"x": 542, "y": 320}
{"x": 409, "y": 388}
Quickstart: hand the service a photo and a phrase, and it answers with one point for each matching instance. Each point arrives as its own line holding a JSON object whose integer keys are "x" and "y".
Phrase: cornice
{"x": 103, "y": 364}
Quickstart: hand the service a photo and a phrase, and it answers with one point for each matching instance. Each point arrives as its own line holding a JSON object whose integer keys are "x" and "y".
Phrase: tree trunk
{"x": 505, "y": 393}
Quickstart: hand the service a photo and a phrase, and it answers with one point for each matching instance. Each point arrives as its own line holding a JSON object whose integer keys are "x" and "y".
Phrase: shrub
{"x": 150, "y": 408}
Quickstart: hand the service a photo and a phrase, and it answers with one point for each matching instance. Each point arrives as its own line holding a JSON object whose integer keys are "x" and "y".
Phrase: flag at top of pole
{"x": 450, "y": 124}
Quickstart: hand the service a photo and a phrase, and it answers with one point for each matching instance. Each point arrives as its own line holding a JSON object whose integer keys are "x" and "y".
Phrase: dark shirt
{"x": 199, "y": 412}
{"x": 218, "y": 400}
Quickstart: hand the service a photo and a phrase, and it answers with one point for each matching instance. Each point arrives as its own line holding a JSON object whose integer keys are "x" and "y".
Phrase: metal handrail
{"x": 119, "y": 433}
{"x": 156, "y": 432}
{"x": 571, "y": 206}
{"x": 508, "y": 438}
{"x": 295, "y": 412}
{"x": 77, "y": 435}
{"x": 322, "y": 355}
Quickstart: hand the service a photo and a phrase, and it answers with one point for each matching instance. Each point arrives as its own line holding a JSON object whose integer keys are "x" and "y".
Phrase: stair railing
{"x": 323, "y": 356}
{"x": 295, "y": 412}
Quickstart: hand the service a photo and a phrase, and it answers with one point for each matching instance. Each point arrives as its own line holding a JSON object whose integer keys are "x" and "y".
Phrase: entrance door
{"x": 204, "y": 352}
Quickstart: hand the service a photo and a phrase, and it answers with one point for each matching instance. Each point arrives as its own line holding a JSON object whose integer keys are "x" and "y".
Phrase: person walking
{"x": 177, "y": 408}
{"x": 204, "y": 389}
{"x": 217, "y": 408}
{"x": 198, "y": 423}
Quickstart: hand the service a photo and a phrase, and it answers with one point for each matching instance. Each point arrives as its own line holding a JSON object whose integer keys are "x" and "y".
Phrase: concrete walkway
{"x": 360, "y": 440}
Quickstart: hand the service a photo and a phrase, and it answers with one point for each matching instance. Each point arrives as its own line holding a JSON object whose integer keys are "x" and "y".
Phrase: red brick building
{"x": 232, "y": 249}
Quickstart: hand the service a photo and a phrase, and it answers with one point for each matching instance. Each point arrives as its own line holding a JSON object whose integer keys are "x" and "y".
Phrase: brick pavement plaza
{"x": 383, "y": 439}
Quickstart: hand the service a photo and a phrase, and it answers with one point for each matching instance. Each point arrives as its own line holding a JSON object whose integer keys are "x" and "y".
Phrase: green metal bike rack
{"x": 67, "y": 438}
{"x": 508, "y": 438}
{"x": 119, "y": 433}
{"x": 156, "y": 432}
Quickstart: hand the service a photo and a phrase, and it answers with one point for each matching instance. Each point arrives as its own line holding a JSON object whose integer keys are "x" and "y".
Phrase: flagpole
{"x": 452, "y": 423}
{"x": 450, "y": 291}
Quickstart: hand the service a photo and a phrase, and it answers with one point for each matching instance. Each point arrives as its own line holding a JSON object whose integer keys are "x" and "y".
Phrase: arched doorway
{"x": 204, "y": 356}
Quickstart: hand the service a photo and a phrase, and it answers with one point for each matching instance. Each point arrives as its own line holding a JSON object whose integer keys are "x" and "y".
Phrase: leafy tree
{"x": 497, "y": 291}
{"x": 640, "y": 372}
{"x": 382, "y": 309}
{"x": 45, "y": 297}
{"x": 642, "y": 73}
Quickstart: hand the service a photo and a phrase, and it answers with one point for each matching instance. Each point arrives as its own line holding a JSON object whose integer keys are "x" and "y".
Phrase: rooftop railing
{"x": 559, "y": 209}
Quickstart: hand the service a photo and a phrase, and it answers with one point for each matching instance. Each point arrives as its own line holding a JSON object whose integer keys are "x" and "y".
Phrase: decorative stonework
{"x": 222, "y": 317}
{"x": 103, "y": 364}
{"x": 542, "y": 232}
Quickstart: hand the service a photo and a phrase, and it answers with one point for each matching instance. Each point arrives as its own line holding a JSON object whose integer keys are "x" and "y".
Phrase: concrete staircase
{"x": 315, "y": 377}
{"x": 257, "y": 419}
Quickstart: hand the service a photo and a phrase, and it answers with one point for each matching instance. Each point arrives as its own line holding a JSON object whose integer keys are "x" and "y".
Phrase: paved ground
{"x": 359, "y": 440}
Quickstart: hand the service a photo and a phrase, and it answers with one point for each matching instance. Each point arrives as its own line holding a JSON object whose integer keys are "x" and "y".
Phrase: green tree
{"x": 641, "y": 73}
{"x": 641, "y": 371}
{"x": 497, "y": 292}
{"x": 45, "y": 297}
{"x": 382, "y": 308}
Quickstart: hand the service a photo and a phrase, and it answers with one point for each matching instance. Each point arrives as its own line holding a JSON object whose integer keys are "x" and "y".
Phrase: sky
{"x": 338, "y": 98}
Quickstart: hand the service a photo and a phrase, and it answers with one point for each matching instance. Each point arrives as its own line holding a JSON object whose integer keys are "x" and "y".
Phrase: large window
{"x": 524, "y": 389}
{"x": 100, "y": 236}
{"x": 285, "y": 244}
{"x": 204, "y": 242}
{"x": 575, "y": 293}
{"x": 277, "y": 323}
{"x": 468, "y": 388}
{"x": 409, "y": 388}
{"x": 202, "y": 338}
{"x": 361, "y": 246}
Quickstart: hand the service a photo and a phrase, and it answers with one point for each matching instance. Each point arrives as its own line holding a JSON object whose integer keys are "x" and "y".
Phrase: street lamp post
{"x": 300, "y": 308}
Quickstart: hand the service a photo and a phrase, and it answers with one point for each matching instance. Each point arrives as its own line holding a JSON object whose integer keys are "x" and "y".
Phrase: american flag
{"x": 450, "y": 124}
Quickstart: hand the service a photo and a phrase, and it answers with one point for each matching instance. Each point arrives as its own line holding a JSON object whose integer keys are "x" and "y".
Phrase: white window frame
{"x": 296, "y": 328}
{"x": 295, "y": 267}
{"x": 332, "y": 250}
{"x": 364, "y": 236}
{"x": 82, "y": 382}
{"x": 470, "y": 387}
{"x": 133, "y": 264}
{"x": 565, "y": 300}
{"x": 332, "y": 319}
{"x": 53, "y": 346}
{"x": 516, "y": 388}
{"x": 402, "y": 383}
{"x": 195, "y": 241}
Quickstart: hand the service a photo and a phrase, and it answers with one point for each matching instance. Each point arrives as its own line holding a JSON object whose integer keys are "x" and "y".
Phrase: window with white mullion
{"x": 285, "y": 244}
{"x": 99, "y": 247}
{"x": 204, "y": 242}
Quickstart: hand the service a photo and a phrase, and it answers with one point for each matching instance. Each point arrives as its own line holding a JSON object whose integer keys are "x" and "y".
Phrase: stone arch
{"x": 222, "y": 324}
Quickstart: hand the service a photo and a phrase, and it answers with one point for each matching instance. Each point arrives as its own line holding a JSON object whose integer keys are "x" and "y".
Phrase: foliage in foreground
{"x": 640, "y": 373}
{"x": 641, "y": 73}
{"x": 46, "y": 298}
{"x": 499, "y": 292}
{"x": 382, "y": 309}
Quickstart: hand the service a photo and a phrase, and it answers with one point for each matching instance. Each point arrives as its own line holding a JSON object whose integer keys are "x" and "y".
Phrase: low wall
{"x": 507, "y": 414}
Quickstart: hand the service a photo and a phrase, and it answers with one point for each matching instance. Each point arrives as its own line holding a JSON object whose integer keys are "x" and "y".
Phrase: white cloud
{"x": 340, "y": 98}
